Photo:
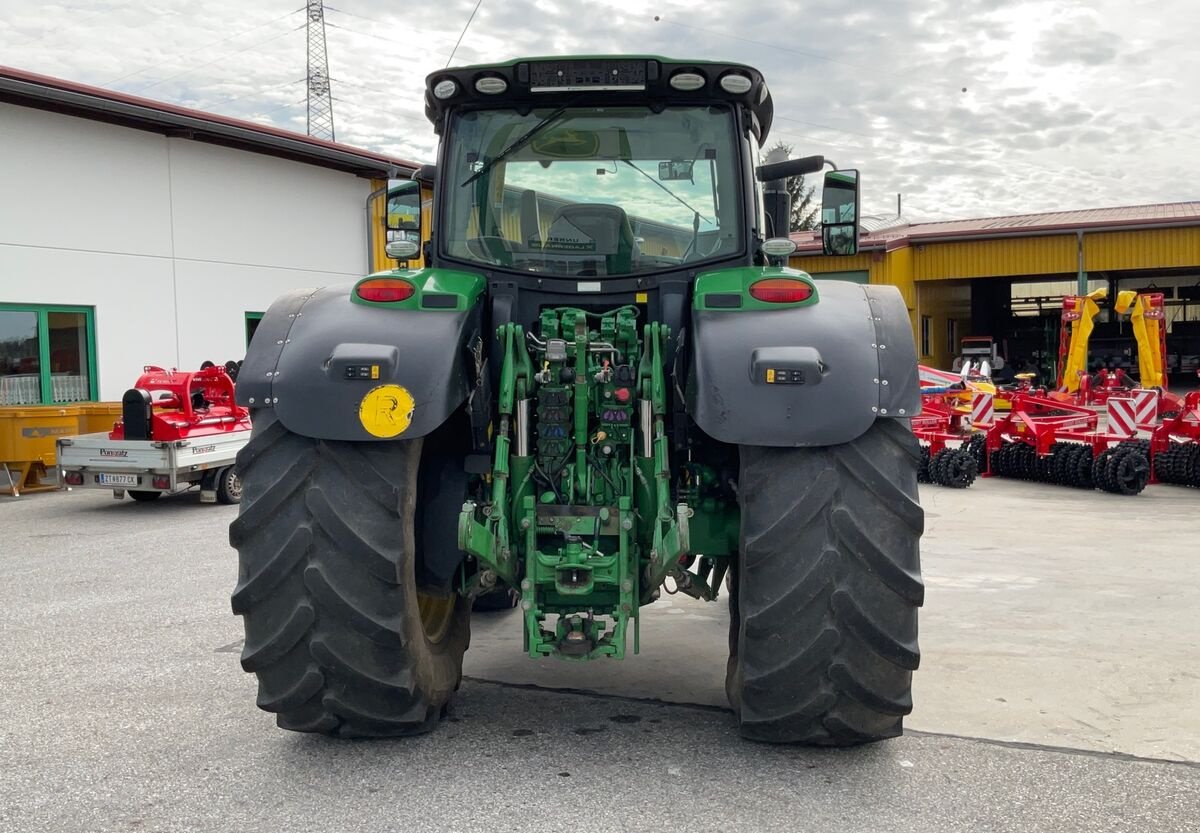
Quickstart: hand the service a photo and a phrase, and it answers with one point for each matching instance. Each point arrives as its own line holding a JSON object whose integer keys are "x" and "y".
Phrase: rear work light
{"x": 781, "y": 290}
{"x": 385, "y": 290}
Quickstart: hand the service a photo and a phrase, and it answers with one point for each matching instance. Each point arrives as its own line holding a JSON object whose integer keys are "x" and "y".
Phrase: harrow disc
{"x": 1100, "y": 470}
{"x": 1081, "y": 457}
{"x": 1128, "y": 471}
{"x": 958, "y": 468}
{"x": 923, "y": 466}
{"x": 977, "y": 446}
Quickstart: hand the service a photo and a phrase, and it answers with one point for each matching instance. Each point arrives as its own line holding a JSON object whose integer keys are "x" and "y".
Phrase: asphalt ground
{"x": 1058, "y": 691}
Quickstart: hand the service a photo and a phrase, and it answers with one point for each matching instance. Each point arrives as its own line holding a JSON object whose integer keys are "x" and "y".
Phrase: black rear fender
{"x": 336, "y": 370}
{"x": 835, "y": 367}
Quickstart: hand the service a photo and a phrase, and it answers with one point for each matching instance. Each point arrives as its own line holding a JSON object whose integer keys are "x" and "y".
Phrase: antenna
{"x": 320, "y": 99}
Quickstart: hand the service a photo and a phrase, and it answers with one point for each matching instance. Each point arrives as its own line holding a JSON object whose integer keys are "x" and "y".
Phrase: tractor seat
{"x": 593, "y": 230}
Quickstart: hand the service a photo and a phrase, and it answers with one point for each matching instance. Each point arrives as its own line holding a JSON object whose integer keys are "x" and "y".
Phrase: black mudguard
{"x": 838, "y": 365}
{"x": 298, "y": 362}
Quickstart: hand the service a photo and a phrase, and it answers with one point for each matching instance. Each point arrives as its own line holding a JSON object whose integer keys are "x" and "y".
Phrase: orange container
{"x": 28, "y": 434}
{"x": 95, "y": 417}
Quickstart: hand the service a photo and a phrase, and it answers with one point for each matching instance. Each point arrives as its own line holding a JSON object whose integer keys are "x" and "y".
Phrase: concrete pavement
{"x": 1054, "y": 619}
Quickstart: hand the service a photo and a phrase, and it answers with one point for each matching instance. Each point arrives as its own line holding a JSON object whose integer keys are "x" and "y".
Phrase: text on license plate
{"x": 117, "y": 479}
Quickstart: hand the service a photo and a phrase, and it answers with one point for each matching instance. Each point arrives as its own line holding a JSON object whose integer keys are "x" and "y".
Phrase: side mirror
{"x": 839, "y": 213}
{"x": 403, "y": 212}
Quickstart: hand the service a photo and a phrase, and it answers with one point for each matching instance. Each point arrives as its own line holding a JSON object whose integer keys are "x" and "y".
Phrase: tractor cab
{"x": 622, "y": 177}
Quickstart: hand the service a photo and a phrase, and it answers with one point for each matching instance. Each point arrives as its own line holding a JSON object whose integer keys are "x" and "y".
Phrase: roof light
{"x": 445, "y": 88}
{"x": 736, "y": 83}
{"x": 491, "y": 85}
{"x": 688, "y": 81}
{"x": 384, "y": 290}
{"x": 781, "y": 290}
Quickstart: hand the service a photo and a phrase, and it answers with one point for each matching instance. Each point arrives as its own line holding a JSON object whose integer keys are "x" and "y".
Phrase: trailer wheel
{"x": 823, "y": 612}
{"x": 144, "y": 497}
{"x": 229, "y": 486}
{"x": 337, "y": 633}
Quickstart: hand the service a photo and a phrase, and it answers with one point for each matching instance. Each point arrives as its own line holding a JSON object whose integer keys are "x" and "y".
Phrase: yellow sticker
{"x": 374, "y": 371}
{"x": 386, "y": 411}
{"x": 641, "y": 298}
{"x": 770, "y": 376}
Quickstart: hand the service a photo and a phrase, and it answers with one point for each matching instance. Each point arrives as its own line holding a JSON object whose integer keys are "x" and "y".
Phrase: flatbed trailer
{"x": 147, "y": 469}
{"x": 177, "y": 430}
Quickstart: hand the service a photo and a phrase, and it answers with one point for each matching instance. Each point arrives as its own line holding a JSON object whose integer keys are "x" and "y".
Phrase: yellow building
{"x": 1005, "y": 277}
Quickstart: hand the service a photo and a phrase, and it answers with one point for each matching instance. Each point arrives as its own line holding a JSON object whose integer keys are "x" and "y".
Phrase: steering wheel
{"x": 489, "y": 248}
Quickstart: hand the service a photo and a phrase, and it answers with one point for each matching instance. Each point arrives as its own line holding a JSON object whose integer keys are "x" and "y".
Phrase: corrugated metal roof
{"x": 57, "y": 95}
{"x": 1086, "y": 219}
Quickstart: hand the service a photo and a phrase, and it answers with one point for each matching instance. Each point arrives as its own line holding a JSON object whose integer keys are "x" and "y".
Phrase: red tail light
{"x": 161, "y": 482}
{"x": 781, "y": 290}
{"x": 73, "y": 478}
{"x": 384, "y": 290}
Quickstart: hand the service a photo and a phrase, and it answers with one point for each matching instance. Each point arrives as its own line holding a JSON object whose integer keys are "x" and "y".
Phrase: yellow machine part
{"x": 1081, "y": 331}
{"x": 1148, "y": 336}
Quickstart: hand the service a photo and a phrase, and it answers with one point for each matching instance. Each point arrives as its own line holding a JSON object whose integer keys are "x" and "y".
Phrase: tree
{"x": 804, "y": 211}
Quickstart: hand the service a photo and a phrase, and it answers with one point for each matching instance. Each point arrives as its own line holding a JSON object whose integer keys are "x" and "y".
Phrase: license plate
{"x": 118, "y": 479}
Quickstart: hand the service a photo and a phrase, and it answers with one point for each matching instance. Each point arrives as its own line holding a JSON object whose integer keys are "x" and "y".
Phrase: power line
{"x": 255, "y": 92}
{"x": 204, "y": 46}
{"x": 478, "y": 3}
{"x": 57, "y": 30}
{"x": 277, "y": 109}
{"x": 217, "y": 60}
{"x": 424, "y": 33}
{"x": 409, "y": 44}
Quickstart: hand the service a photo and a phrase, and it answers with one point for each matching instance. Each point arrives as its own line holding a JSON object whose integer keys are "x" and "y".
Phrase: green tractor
{"x": 603, "y": 384}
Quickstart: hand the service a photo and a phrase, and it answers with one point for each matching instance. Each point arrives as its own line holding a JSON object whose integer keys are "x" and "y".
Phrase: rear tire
{"x": 823, "y": 624}
{"x": 340, "y": 639}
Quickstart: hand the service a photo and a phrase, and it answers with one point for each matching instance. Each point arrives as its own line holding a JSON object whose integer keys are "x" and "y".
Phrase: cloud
{"x": 1079, "y": 39}
{"x": 1056, "y": 104}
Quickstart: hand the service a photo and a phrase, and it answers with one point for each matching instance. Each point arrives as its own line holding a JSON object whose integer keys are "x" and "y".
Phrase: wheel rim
{"x": 437, "y": 612}
{"x": 233, "y": 485}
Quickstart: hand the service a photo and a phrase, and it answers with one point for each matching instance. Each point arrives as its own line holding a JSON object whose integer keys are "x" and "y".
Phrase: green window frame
{"x": 252, "y": 319}
{"x": 43, "y": 312}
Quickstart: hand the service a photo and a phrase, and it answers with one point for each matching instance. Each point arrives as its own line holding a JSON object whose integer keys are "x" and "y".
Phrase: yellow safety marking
{"x": 641, "y": 297}
{"x": 770, "y": 376}
{"x": 386, "y": 411}
{"x": 374, "y": 371}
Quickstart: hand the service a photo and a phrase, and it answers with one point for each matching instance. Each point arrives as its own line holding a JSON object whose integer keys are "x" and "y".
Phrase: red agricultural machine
{"x": 177, "y": 430}
{"x": 953, "y": 408}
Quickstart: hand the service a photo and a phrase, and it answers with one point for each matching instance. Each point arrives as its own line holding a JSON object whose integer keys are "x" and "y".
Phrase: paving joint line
{"x": 1026, "y": 746}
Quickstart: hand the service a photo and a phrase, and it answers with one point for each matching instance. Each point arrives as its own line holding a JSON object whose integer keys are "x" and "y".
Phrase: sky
{"x": 968, "y": 108}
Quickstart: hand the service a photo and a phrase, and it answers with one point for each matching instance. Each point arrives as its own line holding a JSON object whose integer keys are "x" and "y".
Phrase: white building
{"x": 134, "y": 232}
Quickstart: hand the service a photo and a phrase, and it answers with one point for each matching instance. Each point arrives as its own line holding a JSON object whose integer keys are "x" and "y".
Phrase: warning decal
{"x": 386, "y": 411}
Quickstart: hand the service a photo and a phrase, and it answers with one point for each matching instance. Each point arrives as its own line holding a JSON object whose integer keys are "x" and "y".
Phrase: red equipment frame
{"x": 175, "y": 416}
